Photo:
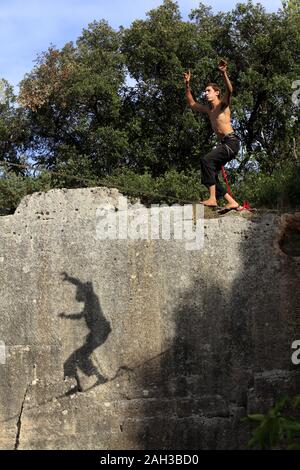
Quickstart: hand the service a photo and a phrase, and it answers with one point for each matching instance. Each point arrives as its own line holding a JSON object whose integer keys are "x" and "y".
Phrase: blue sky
{"x": 27, "y": 27}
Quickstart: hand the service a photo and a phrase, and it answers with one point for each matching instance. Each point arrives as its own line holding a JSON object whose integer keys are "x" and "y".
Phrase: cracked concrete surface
{"x": 19, "y": 422}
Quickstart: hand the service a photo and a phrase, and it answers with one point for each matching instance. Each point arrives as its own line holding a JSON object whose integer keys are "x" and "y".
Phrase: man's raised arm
{"x": 189, "y": 97}
{"x": 229, "y": 89}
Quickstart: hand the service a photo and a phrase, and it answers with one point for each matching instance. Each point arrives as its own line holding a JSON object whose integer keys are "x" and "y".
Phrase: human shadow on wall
{"x": 99, "y": 328}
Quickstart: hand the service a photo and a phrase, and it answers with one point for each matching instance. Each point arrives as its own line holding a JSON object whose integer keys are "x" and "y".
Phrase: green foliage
{"x": 14, "y": 187}
{"x": 291, "y": 6}
{"x": 14, "y": 126}
{"x": 74, "y": 102}
{"x": 277, "y": 429}
{"x": 278, "y": 190}
{"x": 168, "y": 188}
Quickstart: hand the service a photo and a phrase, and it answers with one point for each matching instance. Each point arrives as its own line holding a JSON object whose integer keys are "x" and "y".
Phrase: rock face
{"x": 141, "y": 344}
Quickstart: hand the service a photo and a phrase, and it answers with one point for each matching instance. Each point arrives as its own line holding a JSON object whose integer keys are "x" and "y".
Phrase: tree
{"x": 74, "y": 103}
{"x": 80, "y": 114}
{"x": 14, "y": 127}
{"x": 262, "y": 49}
{"x": 291, "y": 6}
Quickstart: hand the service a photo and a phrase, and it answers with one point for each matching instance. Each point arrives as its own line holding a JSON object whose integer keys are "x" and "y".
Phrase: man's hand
{"x": 187, "y": 77}
{"x": 222, "y": 65}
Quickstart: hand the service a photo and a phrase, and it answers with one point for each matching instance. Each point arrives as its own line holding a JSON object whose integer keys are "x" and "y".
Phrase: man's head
{"x": 212, "y": 91}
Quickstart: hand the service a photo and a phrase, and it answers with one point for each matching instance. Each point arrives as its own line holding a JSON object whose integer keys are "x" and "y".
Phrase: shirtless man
{"x": 218, "y": 111}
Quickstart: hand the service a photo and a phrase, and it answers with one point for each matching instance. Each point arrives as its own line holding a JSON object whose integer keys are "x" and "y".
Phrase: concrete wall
{"x": 163, "y": 347}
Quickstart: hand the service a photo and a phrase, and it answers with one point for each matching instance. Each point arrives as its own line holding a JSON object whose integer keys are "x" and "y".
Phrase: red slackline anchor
{"x": 246, "y": 204}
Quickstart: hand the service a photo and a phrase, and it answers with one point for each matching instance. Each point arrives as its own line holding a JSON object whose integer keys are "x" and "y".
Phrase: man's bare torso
{"x": 220, "y": 119}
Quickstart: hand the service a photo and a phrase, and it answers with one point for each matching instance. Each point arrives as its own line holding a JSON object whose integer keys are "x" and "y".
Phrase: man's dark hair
{"x": 215, "y": 87}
